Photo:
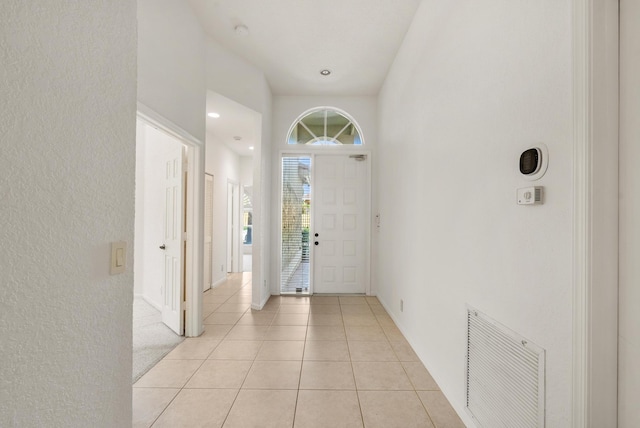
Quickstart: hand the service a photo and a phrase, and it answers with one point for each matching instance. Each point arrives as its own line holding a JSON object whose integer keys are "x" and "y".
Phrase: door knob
{"x": 162, "y": 247}
{"x": 316, "y": 242}
{"x": 316, "y": 235}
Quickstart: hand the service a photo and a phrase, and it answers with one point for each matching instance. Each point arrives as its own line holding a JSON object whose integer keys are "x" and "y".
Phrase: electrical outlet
{"x": 221, "y": 268}
{"x": 401, "y": 305}
{"x": 265, "y": 283}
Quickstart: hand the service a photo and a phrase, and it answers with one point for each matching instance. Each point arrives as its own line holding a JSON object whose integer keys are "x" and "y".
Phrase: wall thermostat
{"x": 534, "y": 162}
{"x": 530, "y": 195}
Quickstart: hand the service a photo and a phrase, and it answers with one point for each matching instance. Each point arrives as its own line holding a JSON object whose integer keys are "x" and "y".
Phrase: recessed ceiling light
{"x": 250, "y": 147}
{"x": 237, "y": 138}
{"x": 214, "y": 115}
{"x": 325, "y": 72}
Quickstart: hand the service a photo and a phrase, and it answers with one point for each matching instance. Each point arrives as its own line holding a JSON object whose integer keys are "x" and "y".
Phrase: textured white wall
{"x": 67, "y": 188}
{"x": 286, "y": 109}
{"x": 171, "y": 63}
{"x": 240, "y": 81}
{"x": 473, "y": 85}
{"x": 224, "y": 165}
{"x": 629, "y": 339}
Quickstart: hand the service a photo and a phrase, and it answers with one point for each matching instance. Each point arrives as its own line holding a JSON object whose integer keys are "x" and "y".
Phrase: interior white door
{"x": 173, "y": 294}
{"x": 208, "y": 231}
{"x": 340, "y": 225}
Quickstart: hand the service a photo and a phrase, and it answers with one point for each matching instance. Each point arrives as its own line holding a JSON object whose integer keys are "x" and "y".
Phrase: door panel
{"x": 172, "y": 313}
{"x": 208, "y": 231}
{"x": 340, "y": 255}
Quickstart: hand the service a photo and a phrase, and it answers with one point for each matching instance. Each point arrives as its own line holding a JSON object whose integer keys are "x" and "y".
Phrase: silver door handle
{"x": 163, "y": 247}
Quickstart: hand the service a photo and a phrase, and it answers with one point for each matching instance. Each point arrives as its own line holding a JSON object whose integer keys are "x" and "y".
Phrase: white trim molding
{"x": 595, "y": 221}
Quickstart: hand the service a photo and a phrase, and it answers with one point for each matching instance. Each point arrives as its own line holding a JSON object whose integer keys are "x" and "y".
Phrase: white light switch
{"x": 118, "y": 257}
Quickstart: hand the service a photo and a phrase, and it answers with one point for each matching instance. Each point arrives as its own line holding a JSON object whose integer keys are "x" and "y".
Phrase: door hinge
{"x": 183, "y": 306}
{"x": 359, "y": 158}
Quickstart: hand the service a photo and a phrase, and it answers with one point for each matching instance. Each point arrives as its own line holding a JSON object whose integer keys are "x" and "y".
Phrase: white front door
{"x": 173, "y": 295}
{"x": 341, "y": 224}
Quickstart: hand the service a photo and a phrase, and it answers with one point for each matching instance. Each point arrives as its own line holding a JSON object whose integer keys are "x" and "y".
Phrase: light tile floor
{"x": 300, "y": 362}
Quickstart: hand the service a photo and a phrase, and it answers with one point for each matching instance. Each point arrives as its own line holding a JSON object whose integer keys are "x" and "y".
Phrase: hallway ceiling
{"x": 235, "y": 120}
{"x": 293, "y": 40}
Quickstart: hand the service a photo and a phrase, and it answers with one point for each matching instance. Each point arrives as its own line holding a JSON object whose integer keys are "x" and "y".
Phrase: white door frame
{"x": 195, "y": 216}
{"x": 209, "y": 263}
{"x": 234, "y": 243}
{"x": 312, "y": 151}
{"x": 595, "y": 243}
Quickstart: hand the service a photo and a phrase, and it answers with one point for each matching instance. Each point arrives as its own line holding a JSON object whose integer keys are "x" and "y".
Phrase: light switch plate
{"x": 118, "y": 257}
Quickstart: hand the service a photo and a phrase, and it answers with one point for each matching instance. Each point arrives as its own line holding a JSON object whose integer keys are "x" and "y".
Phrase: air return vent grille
{"x": 505, "y": 376}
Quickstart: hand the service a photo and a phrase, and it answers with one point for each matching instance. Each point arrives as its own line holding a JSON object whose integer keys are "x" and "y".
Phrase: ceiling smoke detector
{"x": 237, "y": 138}
{"x": 325, "y": 72}
{"x": 241, "y": 30}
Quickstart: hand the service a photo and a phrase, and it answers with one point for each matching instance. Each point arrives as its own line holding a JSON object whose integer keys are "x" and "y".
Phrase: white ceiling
{"x": 292, "y": 40}
{"x": 235, "y": 120}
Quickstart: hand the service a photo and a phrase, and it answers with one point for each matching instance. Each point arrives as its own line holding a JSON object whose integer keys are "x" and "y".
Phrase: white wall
{"x": 246, "y": 170}
{"x": 171, "y": 63}
{"x": 472, "y": 86}
{"x": 66, "y": 180}
{"x": 224, "y": 165}
{"x": 240, "y": 81}
{"x": 286, "y": 109}
{"x": 150, "y": 211}
{"x": 629, "y": 330}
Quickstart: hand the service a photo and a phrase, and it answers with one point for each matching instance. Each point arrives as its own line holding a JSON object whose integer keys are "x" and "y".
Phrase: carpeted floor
{"x": 152, "y": 340}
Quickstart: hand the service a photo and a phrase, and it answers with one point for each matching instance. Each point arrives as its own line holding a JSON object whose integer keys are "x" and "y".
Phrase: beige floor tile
{"x": 240, "y": 298}
{"x": 385, "y": 320}
{"x": 215, "y": 298}
{"x": 169, "y": 374}
{"x": 256, "y": 318}
{"x": 281, "y": 350}
{"x": 222, "y": 318}
{"x": 325, "y": 332}
{"x": 324, "y": 300}
{"x": 233, "y": 307}
{"x": 217, "y": 374}
{"x": 295, "y": 300}
{"x": 352, "y": 300}
{"x": 271, "y": 306}
{"x": 325, "y": 309}
{"x": 205, "y": 408}
{"x": 286, "y": 332}
{"x": 294, "y": 309}
{"x": 379, "y": 376}
{"x": 420, "y": 376}
{"x": 379, "y": 310}
{"x": 208, "y": 308}
{"x": 247, "y": 332}
{"x": 440, "y": 410}
{"x": 371, "y": 351}
{"x": 372, "y": 300}
{"x": 325, "y": 319}
{"x": 240, "y": 350}
{"x": 327, "y": 375}
{"x": 371, "y": 333}
{"x": 262, "y": 409}
{"x": 290, "y": 319}
{"x": 323, "y": 350}
{"x": 404, "y": 351}
{"x": 355, "y": 310}
{"x": 384, "y": 409}
{"x": 323, "y": 409}
{"x": 193, "y": 349}
{"x": 215, "y": 331}
{"x": 148, "y": 403}
{"x": 361, "y": 319}
{"x": 393, "y": 333}
{"x": 273, "y": 375}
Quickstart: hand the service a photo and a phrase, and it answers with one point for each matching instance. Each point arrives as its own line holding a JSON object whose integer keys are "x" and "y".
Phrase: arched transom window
{"x": 325, "y": 126}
